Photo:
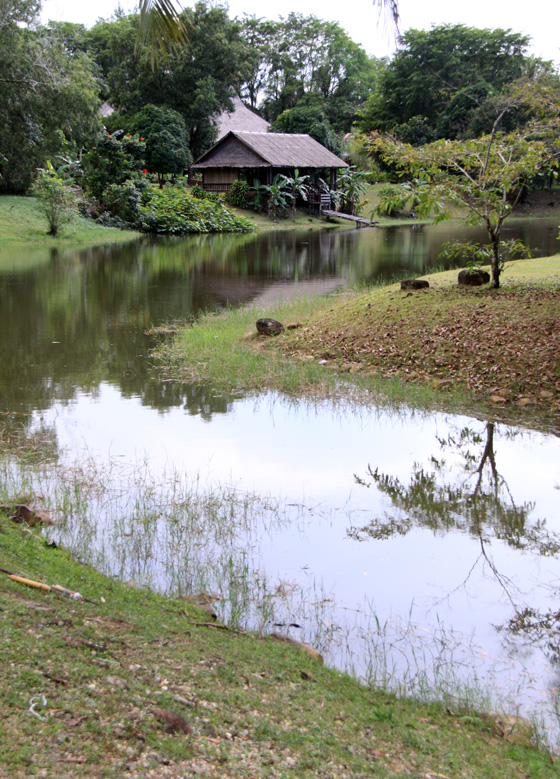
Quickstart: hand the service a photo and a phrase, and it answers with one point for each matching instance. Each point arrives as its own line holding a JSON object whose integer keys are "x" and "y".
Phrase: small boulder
{"x": 415, "y": 284}
{"x": 268, "y": 326}
{"x": 473, "y": 278}
{"x": 18, "y": 512}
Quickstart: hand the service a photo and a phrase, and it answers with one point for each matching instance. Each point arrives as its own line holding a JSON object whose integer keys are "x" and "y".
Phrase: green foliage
{"x": 417, "y": 131}
{"x": 114, "y": 159}
{"x": 475, "y": 255}
{"x": 58, "y": 202}
{"x": 297, "y": 187}
{"x": 238, "y": 195}
{"x": 165, "y": 134}
{"x": 278, "y": 196}
{"x": 198, "y": 192}
{"x": 439, "y": 80}
{"x": 160, "y": 28}
{"x": 174, "y": 210}
{"x": 486, "y": 176}
{"x": 392, "y": 199}
{"x": 48, "y": 98}
{"x": 304, "y": 63}
{"x": 197, "y": 80}
{"x": 122, "y": 202}
{"x": 352, "y": 185}
{"x": 202, "y": 194}
{"x": 309, "y": 119}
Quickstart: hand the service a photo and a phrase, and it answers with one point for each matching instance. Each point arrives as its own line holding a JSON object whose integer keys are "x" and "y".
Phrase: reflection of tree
{"x": 479, "y": 502}
{"x": 540, "y": 627}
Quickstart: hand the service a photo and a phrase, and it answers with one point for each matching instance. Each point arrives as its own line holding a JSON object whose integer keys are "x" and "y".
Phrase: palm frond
{"x": 161, "y": 27}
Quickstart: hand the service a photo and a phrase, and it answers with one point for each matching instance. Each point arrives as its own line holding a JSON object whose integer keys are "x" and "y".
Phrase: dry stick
{"x": 46, "y": 587}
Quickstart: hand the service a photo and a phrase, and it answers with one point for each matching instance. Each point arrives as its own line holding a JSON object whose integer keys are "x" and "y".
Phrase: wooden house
{"x": 262, "y": 155}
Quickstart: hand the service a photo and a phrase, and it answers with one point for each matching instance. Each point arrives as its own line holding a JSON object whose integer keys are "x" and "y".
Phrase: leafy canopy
{"x": 447, "y": 78}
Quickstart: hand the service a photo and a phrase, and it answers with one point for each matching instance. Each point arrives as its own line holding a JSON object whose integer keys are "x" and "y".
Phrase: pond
{"x": 417, "y": 550}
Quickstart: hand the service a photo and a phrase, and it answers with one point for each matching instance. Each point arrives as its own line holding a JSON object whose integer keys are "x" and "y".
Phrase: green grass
{"x": 22, "y": 224}
{"x": 462, "y": 350}
{"x": 108, "y": 665}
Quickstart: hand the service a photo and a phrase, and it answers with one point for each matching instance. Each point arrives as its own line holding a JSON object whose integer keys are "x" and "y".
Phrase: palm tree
{"x": 160, "y": 27}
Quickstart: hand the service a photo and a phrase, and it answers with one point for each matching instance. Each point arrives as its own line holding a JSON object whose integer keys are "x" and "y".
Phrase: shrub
{"x": 174, "y": 210}
{"x": 198, "y": 192}
{"x": 122, "y": 201}
{"x": 238, "y": 195}
{"x": 57, "y": 200}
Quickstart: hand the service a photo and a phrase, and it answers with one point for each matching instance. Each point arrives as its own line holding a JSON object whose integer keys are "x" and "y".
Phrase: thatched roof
{"x": 241, "y": 118}
{"x": 265, "y": 150}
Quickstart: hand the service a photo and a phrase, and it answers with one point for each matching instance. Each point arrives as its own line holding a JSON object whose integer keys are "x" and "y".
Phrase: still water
{"x": 417, "y": 550}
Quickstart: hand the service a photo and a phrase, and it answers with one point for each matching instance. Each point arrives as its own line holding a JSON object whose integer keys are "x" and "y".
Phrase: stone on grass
{"x": 415, "y": 284}
{"x": 473, "y": 278}
{"x": 266, "y": 326}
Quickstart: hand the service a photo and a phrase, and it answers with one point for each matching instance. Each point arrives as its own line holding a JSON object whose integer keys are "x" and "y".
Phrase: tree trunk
{"x": 495, "y": 264}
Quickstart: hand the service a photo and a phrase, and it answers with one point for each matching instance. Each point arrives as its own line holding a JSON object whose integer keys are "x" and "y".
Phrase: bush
{"x": 392, "y": 200}
{"x": 114, "y": 159}
{"x": 57, "y": 200}
{"x": 198, "y": 192}
{"x": 122, "y": 201}
{"x": 173, "y": 210}
{"x": 238, "y": 195}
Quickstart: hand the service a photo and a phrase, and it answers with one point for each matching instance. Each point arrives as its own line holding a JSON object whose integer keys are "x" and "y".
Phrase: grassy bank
{"x": 124, "y": 673}
{"x": 23, "y": 225}
{"x": 476, "y": 349}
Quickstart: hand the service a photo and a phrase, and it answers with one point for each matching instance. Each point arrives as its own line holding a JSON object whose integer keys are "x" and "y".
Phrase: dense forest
{"x": 302, "y": 74}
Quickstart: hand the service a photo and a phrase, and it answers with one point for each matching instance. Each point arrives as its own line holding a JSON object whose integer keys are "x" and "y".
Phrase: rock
{"x": 172, "y": 722}
{"x": 415, "y": 284}
{"x": 305, "y": 647}
{"x": 267, "y": 326}
{"x": 18, "y": 512}
{"x": 473, "y": 278}
{"x": 203, "y": 602}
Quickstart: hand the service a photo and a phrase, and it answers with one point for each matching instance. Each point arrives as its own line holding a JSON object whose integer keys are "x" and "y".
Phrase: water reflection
{"x": 71, "y": 321}
{"x": 477, "y": 501}
{"x": 75, "y": 382}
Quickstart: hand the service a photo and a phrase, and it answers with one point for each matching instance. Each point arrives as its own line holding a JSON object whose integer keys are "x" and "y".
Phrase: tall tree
{"x": 48, "y": 97}
{"x": 304, "y": 61}
{"x": 198, "y": 79}
{"x": 444, "y": 76}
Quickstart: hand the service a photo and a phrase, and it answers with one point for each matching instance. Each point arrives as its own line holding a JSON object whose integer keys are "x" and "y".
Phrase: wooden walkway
{"x": 359, "y": 220}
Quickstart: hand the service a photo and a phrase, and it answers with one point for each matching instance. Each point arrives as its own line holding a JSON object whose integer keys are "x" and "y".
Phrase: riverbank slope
{"x": 122, "y": 682}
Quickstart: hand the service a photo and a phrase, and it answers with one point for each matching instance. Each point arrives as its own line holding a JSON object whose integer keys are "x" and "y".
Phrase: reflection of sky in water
{"x": 270, "y": 447}
{"x": 309, "y": 456}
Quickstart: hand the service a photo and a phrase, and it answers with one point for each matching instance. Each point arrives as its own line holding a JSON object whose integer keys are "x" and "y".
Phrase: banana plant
{"x": 277, "y": 196}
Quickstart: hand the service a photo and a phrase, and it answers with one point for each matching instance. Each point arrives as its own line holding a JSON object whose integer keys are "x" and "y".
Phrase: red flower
{"x": 145, "y": 170}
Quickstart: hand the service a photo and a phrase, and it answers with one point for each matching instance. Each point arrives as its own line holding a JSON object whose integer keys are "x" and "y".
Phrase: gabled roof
{"x": 276, "y": 150}
{"x": 241, "y": 118}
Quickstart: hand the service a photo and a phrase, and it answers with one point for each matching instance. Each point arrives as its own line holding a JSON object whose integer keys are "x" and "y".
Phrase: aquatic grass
{"x": 223, "y": 349}
{"x": 170, "y": 535}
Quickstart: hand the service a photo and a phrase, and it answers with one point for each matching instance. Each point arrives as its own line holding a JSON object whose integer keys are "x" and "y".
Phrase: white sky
{"x": 540, "y": 18}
